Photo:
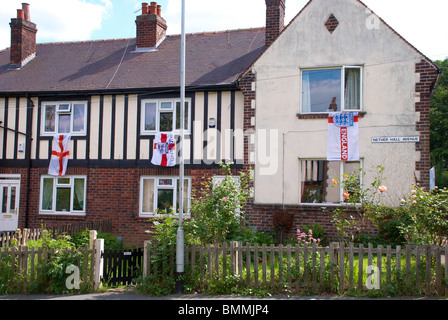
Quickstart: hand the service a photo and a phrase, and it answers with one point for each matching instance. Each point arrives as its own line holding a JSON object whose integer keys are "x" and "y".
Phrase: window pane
{"x": 166, "y": 106}
{"x": 64, "y": 123}
{"x": 178, "y": 115}
{"x": 352, "y": 91}
{"x": 166, "y": 121}
{"x": 165, "y": 200}
{"x": 12, "y": 201}
{"x": 78, "y": 117}
{"x": 63, "y": 199}
{"x": 5, "y": 200}
{"x": 50, "y": 118}
{"x": 321, "y": 90}
{"x": 47, "y": 194}
{"x": 316, "y": 184}
{"x": 64, "y": 181}
{"x": 150, "y": 115}
{"x": 148, "y": 195}
{"x": 78, "y": 195}
{"x": 185, "y": 193}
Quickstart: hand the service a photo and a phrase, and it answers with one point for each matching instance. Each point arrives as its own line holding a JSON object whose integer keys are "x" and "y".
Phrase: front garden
{"x": 405, "y": 257}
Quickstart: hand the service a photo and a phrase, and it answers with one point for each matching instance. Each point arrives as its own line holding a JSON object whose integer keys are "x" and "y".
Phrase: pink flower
{"x": 224, "y": 199}
{"x": 382, "y": 189}
{"x": 346, "y": 195}
{"x": 414, "y": 202}
{"x": 335, "y": 181}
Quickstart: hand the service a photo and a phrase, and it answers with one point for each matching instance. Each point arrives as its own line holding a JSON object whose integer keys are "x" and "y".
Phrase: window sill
{"x": 63, "y": 214}
{"x": 361, "y": 114}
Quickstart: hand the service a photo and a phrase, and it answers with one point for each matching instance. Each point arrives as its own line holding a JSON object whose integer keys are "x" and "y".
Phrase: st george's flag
{"x": 164, "y": 150}
{"x": 343, "y": 136}
{"x": 59, "y": 155}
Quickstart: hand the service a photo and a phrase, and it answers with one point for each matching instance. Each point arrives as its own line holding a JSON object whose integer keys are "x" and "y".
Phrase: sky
{"x": 422, "y": 23}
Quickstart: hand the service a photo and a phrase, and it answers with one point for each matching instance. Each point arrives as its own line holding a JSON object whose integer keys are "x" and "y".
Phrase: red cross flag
{"x": 59, "y": 155}
{"x": 164, "y": 150}
{"x": 343, "y": 137}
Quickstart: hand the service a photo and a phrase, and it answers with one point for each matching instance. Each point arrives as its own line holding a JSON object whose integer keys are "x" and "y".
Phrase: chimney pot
{"x": 26, "y": 11}
{"x": 153, "y": 8}
{"x": 144, "y": 8}
{"x": 159, "y": 10}
{"x": 20, "y": 14}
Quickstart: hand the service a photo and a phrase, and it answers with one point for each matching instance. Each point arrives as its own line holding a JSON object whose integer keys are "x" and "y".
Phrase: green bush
{"x": 82, "y": 239}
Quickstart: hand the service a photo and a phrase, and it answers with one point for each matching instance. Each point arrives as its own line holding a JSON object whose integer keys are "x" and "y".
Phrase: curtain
{"x": 148, "y": 195}
{"x": 47, "y": 194}
{"x": 306, "y": 95}
{"x": 352, "y": 88}
{"x": 78, "y": 195}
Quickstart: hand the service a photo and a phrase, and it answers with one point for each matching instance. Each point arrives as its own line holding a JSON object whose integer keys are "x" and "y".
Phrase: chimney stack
{"x": 151, "y": 27}
{"x": 275, "y": 19}
{"x": 23, "y": 37}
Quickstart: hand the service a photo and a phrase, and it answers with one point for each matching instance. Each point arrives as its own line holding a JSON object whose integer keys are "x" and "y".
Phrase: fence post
{"x": 93, "y": 234}
{"x": 99, "y": 249}
{"x": 146, "y": 257}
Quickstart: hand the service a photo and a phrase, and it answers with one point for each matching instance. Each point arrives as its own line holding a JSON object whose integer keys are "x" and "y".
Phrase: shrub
{"x": 82, "y": 239}
{"x": 427, "y": 214}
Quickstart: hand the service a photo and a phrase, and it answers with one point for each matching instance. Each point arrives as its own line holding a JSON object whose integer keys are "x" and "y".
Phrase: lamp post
{"x": 180, "y": 243}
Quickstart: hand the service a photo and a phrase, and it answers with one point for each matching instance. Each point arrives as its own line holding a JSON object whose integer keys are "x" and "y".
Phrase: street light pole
{"x": 180, "y": 243}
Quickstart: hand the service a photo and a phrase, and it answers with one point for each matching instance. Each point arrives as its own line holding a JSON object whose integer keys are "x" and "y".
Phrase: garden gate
{"x": 121, "y": 266}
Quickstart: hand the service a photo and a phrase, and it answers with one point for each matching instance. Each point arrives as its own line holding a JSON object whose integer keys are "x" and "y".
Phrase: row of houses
{"x": 261, "y": 97}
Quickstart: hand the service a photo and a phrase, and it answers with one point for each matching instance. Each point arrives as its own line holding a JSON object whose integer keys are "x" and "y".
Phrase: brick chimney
{"x": 151, "y": 27}
{"x": 275, "y": 19}
{"x": 23, "y": 37}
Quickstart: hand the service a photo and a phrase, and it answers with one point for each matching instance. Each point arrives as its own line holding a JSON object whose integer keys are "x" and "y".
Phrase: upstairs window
{"x": 163, "y": 116}
{"x": 64, "y": 117}
{"x": 331, "y": 90}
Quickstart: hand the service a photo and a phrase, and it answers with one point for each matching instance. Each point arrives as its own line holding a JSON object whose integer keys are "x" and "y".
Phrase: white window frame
{"x": 342, "y": 68}
{"x": 339, "y": 185}
{"x": 157, "y": 187}
{"x": 60, "y": 109}
{"x": 159, "y": 109}
{"x": 70, "y": 185}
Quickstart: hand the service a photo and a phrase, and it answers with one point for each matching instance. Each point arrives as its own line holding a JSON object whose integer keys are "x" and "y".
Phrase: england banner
{"x": 343, "y": 137}
{"x": 59, "y": 155}
{"x": 164, "y": 150}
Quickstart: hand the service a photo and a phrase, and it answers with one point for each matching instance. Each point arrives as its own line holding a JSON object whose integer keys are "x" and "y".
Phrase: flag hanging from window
{"x": 164, "y": 150}
{"x": 59, "y": 155}
{"x": 343, "y": 137}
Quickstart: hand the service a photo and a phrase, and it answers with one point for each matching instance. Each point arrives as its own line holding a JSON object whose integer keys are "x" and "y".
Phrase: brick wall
{"x": 428, "y": 76}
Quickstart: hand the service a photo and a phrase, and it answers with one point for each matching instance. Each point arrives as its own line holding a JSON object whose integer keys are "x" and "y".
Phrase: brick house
{"x": 112, "y": 96}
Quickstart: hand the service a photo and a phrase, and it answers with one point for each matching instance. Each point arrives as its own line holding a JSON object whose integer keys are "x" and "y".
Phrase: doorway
{"x": 9, "y": 202}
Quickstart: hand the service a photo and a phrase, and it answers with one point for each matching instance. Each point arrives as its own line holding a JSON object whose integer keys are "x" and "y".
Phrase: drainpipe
{"x": 29, "y": 112}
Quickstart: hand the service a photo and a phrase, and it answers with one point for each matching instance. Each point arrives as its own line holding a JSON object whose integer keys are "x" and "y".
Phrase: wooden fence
{"x": 22, "y": 266}
{"x": 408, "y": 270}
{"x": 22, "y": 236}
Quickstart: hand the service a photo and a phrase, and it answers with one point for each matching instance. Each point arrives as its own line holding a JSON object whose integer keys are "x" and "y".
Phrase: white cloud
{"x": 57, "y": 20}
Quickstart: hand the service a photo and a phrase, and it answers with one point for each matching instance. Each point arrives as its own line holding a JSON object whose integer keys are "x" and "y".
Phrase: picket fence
{"x": 412, "y": 269}
{"x": 25, "y": 263}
